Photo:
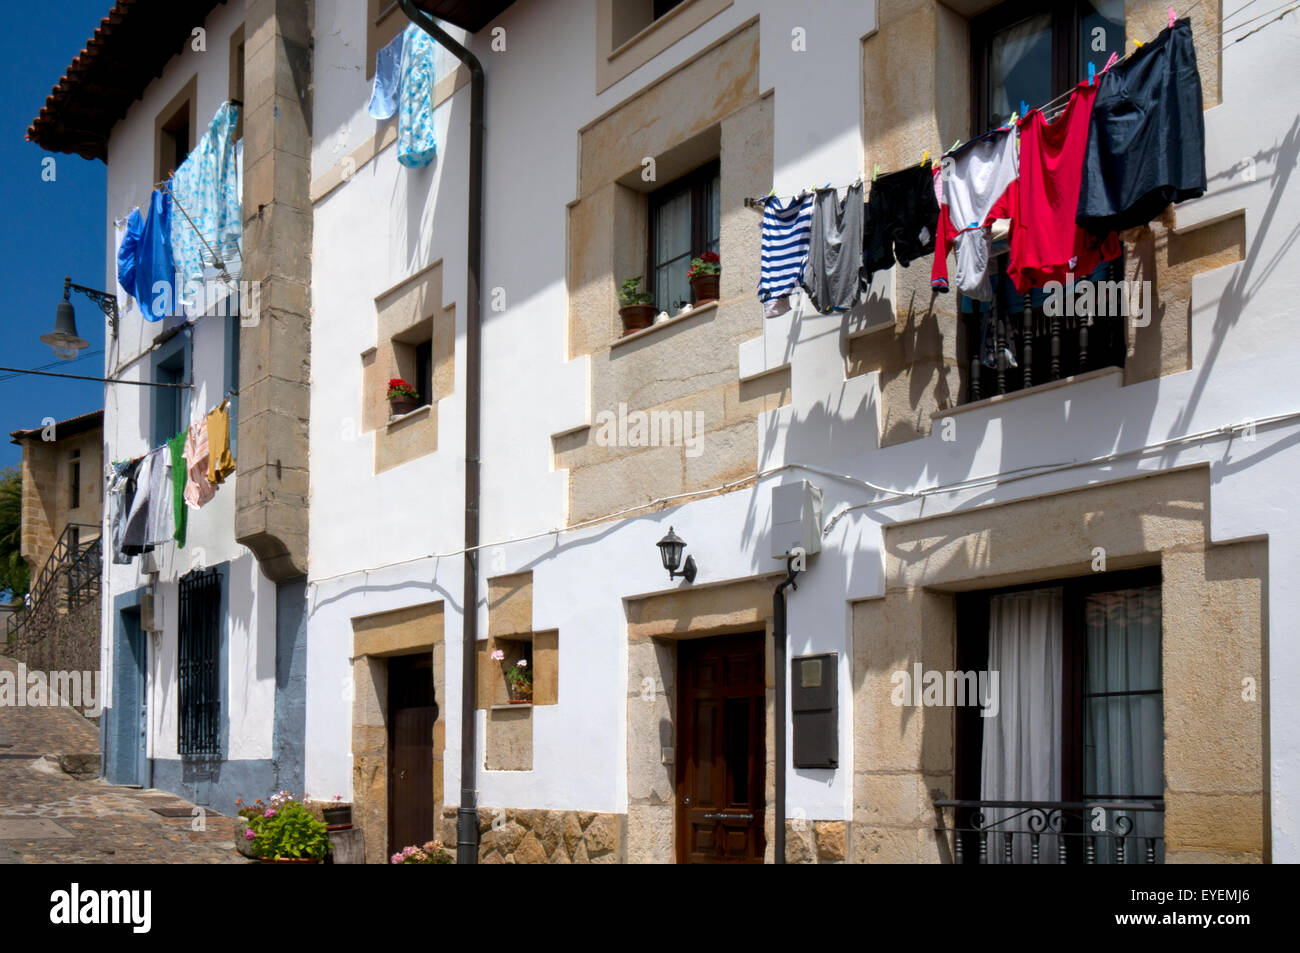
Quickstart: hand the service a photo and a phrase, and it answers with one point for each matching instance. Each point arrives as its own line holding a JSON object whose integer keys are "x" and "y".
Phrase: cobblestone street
{"x": 48, "y": 816}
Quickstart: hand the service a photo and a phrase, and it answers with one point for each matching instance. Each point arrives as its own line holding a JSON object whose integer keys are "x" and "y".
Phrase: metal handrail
{"x": 63, "y": 556}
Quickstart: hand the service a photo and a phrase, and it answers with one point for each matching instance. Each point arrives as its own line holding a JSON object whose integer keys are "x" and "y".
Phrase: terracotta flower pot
{"x": 705, "y": 288}
{"x": 636, "y": 317}
{"x": 402, "y": 405}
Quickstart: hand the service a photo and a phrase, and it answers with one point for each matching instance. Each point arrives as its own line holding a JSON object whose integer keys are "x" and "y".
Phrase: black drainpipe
{"x": 467, "y": 816}
{"x": 779, "y": 666}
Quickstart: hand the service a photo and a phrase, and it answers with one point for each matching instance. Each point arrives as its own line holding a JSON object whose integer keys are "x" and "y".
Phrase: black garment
{"x": 1146, "y": 141}
{"x": 902, "y": 216}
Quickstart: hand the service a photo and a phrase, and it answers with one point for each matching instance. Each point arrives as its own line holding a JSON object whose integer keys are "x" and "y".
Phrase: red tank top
{"x": 1046, "y": 244}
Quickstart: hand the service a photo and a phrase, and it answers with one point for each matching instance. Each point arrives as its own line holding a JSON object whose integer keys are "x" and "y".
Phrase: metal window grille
{"x": 199, "y": 641}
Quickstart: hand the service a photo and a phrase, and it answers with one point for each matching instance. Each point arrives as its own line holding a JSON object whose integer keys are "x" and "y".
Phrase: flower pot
{"x": 705, "y": 288}
{"x": 636, "y": 317}
{"x": 402, "y": 405}
{"x": 337, "y": 816}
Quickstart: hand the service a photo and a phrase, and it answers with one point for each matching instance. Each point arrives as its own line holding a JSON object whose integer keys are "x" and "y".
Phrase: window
{"x": 74, "y": 480}
{"x": 199, "y": 639}
{"x": 384, "y": 20}
{"x": 1019, "y": 52}
{"x": 237, "y": 76}
{"x": 170, "y": 404}
{"x": 1079, "y": 716}
{"x": 424, "y": 371}
{"x": 685, "y": 221}
{"x": 174, "y": 131}
{"x": 413, "y": 355}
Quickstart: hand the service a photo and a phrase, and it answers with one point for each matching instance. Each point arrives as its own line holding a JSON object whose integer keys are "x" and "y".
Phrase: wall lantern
{"x": 64, "y": 338}
{"x": 670, "y": 550}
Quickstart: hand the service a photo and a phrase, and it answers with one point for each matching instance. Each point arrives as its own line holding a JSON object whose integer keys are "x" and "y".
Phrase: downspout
{"x": 779, "y": 671}
{"x": 467, "y": 815}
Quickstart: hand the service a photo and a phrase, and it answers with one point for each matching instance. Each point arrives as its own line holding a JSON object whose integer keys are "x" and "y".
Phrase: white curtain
{"x": 1021, "y": 758}
{"x": 1123, "y": 742}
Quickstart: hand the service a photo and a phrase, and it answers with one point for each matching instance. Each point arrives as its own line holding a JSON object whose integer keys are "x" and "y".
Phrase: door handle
{"x": 402, "y": 775}
{"x": 728, "y": 817}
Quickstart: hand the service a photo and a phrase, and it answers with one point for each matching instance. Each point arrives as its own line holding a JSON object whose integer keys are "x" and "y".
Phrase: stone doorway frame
{"x": 655, "y": 624}
{"x": 377, "y": 638}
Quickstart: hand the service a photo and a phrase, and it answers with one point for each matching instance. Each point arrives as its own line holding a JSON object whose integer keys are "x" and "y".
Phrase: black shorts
{"x": 902, "y": 216}
{"x": 1146, "y": 141}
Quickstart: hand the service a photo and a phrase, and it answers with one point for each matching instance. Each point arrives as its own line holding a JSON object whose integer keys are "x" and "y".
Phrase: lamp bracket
{"x": 106, "y": 302}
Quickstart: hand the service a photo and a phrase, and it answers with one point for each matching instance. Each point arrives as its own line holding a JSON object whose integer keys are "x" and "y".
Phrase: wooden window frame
{"x": 696, "y": 181}
{"x": 237, "y": 74}
{"x": 184, "y": 100}
{"x": 972, "y": 655}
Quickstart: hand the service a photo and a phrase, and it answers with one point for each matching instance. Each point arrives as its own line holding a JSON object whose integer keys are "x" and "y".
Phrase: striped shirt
{"x": 785, "y": 237}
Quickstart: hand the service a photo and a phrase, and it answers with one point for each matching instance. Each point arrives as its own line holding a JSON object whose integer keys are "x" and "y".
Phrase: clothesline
{"x": 233, "y": 392}
{"x": 760, "y": 202}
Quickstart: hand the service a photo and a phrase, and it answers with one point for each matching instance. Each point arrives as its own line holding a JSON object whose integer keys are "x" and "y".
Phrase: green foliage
{"x": 629, "y": 294}
{"x": 14, "y": 572}
{"x": 291, "y": 831}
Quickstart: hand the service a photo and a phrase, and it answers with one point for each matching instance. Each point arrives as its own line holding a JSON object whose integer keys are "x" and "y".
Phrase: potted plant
{"x": 637, "y": 307}
{"x": 337, "y": 813}
{"x": 519, "y": 678}
{"x": 285, "y": 832}
{"x": 402, "y": 397}
{"x": 704, "y": 274}
{"x": 431, "y": 853}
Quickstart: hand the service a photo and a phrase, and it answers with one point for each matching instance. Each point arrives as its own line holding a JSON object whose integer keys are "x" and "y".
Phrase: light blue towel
{"x": 206, "y": 186}
{"x": 416, "y": 145}
{"x": 388, "y": 73}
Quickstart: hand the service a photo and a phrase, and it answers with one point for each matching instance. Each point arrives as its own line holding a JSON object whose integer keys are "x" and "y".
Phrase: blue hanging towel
{"x": 155, "y": 275}
{"x": 388, "y": 74}
{"x": 416, "y": 145}
{"x": 128, "y": 251}
{"x": 206, "y": 187}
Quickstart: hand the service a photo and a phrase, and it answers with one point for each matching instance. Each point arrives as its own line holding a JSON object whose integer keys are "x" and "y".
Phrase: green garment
{"x": 177, "y": 446}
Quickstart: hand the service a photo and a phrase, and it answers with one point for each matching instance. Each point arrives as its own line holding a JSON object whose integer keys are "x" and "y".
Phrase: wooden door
{"x": 412, "y": 711}
{"x": 721, "y": 748}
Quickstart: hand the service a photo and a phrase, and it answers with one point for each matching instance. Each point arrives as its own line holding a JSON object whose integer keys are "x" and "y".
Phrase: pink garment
{"x": 198, "y": 490}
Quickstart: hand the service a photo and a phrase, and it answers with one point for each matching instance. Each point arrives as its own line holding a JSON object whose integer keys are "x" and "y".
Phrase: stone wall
{"x": 61, "y": 642}
{"x": 816, "y": 842}
{"x": 509, "y": 836}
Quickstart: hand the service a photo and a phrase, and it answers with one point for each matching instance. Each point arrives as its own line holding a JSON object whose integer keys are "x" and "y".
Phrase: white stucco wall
{"x": 388, "y": 222}
{"x": 250, "y": 626}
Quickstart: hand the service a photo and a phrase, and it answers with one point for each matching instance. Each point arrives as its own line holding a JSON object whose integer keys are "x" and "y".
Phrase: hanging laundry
{"x": 220, "y": 463}
{"x": 1046, "y": 243}
{"x": 155, "y": 272}
{"x": 121, "y": 491}
{"x": 127, "y": 235}
{"x": 198, "y": 489}
{"x": 902, "y": 216}
{"x": 388, "y": 73}
{"x": 159, "y": 526}
{"x": 832, "y": 275}
{"x": 977, "y": 180}
{"x": 1146, "y": 142}
{"x": 416, "y": 145}
{"x": 206, "y": 188}
{"x": 135, "y": 532}
{"x": 178, "y": 472}
{"x": 784, "y": 239}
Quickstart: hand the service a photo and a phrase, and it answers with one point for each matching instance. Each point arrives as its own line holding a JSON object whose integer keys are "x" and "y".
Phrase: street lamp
{"x": 64, "y": 338}
{"x": 670, "y": 551}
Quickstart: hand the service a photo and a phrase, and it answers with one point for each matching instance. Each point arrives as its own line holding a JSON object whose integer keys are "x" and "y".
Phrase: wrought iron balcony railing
{"x": 1101, "y": 831}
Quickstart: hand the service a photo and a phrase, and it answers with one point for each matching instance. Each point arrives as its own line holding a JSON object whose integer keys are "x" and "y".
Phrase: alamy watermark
{"x": 1101, "y": 299}
{"x": 60, "y": 689}
{"x": 935, "y": 689}
{"x": 651, "y": 428}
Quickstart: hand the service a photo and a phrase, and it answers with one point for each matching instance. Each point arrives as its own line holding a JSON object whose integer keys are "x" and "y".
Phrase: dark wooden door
{"x": 721, "y": 750}
{"x": 412, "y": 710}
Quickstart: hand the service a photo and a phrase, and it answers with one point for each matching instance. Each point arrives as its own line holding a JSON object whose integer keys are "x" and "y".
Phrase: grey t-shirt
{"x": 832, "y": 275}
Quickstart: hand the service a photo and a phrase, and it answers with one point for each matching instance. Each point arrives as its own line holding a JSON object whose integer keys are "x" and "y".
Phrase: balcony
{"x": 1101, "y": 831}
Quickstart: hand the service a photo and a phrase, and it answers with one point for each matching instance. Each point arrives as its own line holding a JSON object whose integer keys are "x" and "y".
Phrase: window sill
{"x": 675, "y": 319}
{"x": 402, "y": 418}
{"x": 510, "y": 707}
{"x": 996, "y": 399}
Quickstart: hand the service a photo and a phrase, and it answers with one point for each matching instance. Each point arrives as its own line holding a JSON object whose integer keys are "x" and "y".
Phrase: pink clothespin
{"x": 1114, "y": 58}
{"x": 1171, "y": 18}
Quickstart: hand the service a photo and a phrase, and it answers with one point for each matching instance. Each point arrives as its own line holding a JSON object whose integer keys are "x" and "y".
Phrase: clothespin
{"x": 925, "y": 157}
{"x": 1092, "y": 72}
{"x": 1114, "y": 58}
{"x": 1024, "y": 109}
{"x": 1137, "y": 44}
{"x": 875, "y": 172}
{"x": 1171, "y": 18}
{"x": 1014, "y": 117}
{"x": 955, "y": 144}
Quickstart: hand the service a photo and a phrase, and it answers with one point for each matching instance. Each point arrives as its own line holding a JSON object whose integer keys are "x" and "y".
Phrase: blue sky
{"x": 55, "y": 228}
